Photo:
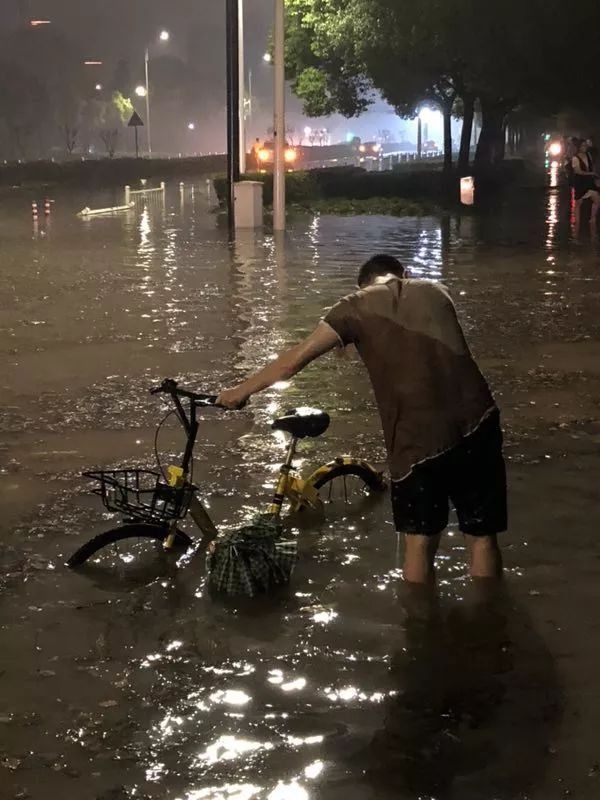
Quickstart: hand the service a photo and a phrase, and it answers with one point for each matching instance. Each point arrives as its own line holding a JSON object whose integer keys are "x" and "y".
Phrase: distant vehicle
{"x": 370, "y": 151}
{"x": 431, "y": 147}
{"x": 266, "y": 156}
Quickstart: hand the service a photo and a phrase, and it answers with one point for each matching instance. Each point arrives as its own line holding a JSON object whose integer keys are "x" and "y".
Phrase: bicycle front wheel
{"x": 132, "y": 531}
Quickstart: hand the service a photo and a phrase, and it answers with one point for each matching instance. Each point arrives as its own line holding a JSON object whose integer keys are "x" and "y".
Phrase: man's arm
{"x": 288, "y": 364}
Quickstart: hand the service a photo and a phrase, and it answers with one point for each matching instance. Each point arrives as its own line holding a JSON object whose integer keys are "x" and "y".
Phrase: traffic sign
{"x": 135, "y": 121}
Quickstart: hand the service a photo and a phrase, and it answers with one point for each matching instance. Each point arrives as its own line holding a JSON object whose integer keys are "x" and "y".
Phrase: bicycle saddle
{"x": 303, "y": 422}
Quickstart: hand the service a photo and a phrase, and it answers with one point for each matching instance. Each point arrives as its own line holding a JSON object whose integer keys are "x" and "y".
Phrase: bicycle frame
{"x": 177, "y": 476}
{"x": 289, "y": 485}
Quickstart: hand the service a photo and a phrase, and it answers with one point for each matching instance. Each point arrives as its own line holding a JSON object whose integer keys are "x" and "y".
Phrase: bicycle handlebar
{"x": 169, "y": 386}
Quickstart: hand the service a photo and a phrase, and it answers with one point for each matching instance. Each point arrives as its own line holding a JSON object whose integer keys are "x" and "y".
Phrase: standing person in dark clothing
{"x": 585, "y": 181}
{"x": 593, "y": 151}
{"x": 440, "y": 421}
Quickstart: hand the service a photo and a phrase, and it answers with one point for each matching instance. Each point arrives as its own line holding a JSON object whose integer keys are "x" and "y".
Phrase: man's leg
{"x": 485, "y": 558}
{"x": 419, "y": 557}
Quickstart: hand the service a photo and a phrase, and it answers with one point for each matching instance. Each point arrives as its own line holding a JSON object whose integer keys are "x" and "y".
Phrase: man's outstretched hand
{"x": 233, "y": 399}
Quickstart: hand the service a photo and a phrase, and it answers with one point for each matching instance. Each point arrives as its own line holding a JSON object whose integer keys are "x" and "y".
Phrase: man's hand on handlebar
{"x": 232, "y": 399}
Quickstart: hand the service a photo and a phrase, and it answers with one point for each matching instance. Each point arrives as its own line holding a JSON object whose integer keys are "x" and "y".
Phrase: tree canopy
{"x": 503, "y": 54}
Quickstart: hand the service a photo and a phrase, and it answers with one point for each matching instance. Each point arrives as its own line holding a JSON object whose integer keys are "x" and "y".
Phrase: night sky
{"x": 113, "y": 30}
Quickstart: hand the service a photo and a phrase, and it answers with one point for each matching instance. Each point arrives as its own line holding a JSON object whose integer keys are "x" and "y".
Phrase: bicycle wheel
{"x": 134, "y": 530}
{"x": 347, "y": 483}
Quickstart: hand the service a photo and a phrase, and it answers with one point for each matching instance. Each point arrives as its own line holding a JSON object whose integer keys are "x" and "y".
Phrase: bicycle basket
{"x": 141, "y": 494}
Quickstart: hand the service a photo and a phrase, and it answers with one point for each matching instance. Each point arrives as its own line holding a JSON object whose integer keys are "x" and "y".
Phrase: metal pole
{"x": 242, "y": 87}
{"x": 148, "y": 133}
{"x": 279, "y": 117}
{"x": 419, "y": 137}
{"x": 250, "y": 101}
{"x": 233, "y": 105}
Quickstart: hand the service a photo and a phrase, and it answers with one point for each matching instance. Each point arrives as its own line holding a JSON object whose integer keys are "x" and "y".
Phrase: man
{"x": 441, "y": 425}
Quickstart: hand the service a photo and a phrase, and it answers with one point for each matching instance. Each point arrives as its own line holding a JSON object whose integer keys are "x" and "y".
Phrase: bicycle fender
{"x": 326, "y": 469}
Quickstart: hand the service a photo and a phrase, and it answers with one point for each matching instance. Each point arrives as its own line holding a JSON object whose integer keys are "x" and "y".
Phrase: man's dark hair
{"x": 377, "y": 266}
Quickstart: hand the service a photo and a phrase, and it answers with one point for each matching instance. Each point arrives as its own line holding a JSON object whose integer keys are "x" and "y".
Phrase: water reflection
{"x": 322, "y": 691}
{"x": 478, "y": 705}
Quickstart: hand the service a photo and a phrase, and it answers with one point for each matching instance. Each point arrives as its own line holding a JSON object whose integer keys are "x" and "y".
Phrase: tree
{"x": 340, "y": 52}
{"x": 42, "y": 85}
{"x": 447, "y": 53}
{"x": 23, "y": 106}
{"x": 70, "y": 135}
{"x": 110, "y": 137}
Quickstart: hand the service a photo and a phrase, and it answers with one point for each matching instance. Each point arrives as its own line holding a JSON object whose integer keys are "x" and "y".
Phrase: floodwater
{"x": 128, "y": 680}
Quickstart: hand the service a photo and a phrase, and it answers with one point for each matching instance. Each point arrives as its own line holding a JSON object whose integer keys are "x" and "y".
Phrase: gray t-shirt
{"x": 428, "y": 388}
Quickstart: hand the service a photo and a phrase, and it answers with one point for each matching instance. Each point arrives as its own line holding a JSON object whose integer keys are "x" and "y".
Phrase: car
{"x": 370, "y": 151}
{"x": 266, "y": 156}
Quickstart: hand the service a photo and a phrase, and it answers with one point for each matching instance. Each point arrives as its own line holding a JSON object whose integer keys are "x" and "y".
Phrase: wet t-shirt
{"x": 428, "y": 388}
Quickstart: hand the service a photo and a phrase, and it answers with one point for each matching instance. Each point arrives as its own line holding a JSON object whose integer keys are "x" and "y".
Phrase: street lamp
{"x": 98, "y": 87}
{"x": 163, "y": 36}
{"x": 267, "y": 58}
{"x": 141, "y": 91}
{"x": 191, "y": 126}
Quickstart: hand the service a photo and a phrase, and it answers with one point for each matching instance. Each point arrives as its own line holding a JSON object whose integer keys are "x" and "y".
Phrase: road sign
{"x": 135, "y": 121}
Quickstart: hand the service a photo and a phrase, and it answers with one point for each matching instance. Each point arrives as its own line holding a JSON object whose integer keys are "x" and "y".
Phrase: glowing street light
{"x": 35, "y": 23}
{"x": 267, "y": 58}
{"x": 191, "y": 126}
{"x": 98, "y": 87}
{"x": 141, "y": 91}
{"x": 164, "y": 36}
{"x": 90, "y": 63}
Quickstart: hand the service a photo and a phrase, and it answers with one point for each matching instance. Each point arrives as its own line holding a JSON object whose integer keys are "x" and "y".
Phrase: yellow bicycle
{"x": 153, "y": 505}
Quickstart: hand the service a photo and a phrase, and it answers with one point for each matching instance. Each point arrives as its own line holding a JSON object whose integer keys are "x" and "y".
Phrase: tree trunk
{"x": 491, "y": 146}
{"x": 447, "y": 111}
{"x": 466, "y": 135}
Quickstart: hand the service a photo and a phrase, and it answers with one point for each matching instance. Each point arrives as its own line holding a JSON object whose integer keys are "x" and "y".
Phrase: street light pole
{"x": 242, "y": 86}
{"x": 233, "y": 105}
{"x": 279, "y": 117}
{"x": 148, "y": 134}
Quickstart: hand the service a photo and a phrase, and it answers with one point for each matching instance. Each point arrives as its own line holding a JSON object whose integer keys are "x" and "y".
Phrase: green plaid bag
{"x": 252, "y": 559}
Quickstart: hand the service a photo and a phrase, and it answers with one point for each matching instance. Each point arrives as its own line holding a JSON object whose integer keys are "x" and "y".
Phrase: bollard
{"x": 34, "y": 211}
{"x": 127, "y": 195}
{"x": 467, "y": 191}
{"x": 47, "y": 207}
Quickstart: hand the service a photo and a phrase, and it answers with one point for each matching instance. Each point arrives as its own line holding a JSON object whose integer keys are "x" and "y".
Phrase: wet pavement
{"x": 128, "y": 680}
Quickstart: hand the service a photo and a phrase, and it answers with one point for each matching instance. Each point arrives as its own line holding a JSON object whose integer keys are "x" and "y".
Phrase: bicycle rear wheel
{"x": 347, "y": 483}
{"x": 134, "y": 530}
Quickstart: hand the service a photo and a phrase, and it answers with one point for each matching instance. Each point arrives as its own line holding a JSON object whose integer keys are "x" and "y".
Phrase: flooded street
{"x": 128, "y": 680}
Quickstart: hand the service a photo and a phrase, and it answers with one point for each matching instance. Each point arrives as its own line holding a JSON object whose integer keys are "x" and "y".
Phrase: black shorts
{"x": 472, "y": 476}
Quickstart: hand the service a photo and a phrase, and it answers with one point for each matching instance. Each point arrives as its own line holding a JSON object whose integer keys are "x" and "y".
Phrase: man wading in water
{"x": 441, "y": 424}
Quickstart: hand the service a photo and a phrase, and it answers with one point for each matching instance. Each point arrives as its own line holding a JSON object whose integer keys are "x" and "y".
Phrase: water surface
{"x": 132, "y": 682}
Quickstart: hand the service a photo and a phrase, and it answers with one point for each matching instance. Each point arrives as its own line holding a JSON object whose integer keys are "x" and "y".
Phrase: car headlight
{"x": 290, "y": 155}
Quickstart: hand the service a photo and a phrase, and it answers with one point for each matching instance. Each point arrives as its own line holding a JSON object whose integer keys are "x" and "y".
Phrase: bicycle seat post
{"x": 279, "y": 495}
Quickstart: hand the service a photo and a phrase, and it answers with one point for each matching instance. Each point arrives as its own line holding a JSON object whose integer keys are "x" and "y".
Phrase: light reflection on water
{"x": 326, "y": 690}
